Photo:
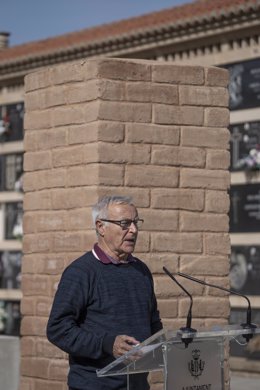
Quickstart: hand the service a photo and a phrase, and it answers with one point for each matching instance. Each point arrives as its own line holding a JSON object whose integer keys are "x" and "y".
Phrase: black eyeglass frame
{"x": 120, "y": 223}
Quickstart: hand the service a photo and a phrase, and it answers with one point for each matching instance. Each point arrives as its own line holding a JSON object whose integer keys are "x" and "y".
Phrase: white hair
{"x": 100, "y": 209}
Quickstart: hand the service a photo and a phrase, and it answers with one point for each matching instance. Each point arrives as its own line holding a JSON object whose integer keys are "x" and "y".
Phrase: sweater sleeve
{"x": 156, "y": 323}
{"x": 63, "y": 328}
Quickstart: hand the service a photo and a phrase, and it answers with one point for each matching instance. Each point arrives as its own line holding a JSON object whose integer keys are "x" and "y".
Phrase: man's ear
{"x": 100, "y": 228}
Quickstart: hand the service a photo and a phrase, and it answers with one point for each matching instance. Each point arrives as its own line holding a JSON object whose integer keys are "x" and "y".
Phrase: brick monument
{"x": 152, "y": 130}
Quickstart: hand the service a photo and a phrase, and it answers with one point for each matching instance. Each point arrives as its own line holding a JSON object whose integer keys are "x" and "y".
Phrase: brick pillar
{"x": 152, "y": 130}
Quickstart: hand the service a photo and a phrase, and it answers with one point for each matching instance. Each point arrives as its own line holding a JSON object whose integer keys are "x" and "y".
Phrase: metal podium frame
{"x": 188, "y": 359}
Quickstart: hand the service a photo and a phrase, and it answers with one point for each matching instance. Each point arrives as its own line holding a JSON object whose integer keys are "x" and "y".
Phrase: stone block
{"x": 40, "y": 242}
{"x": 154, "y": 176}
{"x": 203, "y": 222}
{"x": 215, "y": 307}
{"x": 69, "y": 156}
{"x": 73, "y": 241}
{"x": 37, "y": 120}
{"x": 203, "y": 96}
{"x": 111, "y": 174}
{"x": 81, "y": 92}
{"x": 45, "y": 139}
{"x": 197, "y": 264}
{"x": 41, "y": 384}
{"x": 40, "y": 180}
{"x": 74, "y": 114}
{"x": 178, "y": 156}
{"x": 35, "y": 285}
{"x": 69, "y": 73}
{"x": 184, "y": 199}
{"x": 43, "y": 264}
{"x": 155, "y": 93}
{"x": 202, "y": 178}
{"x": 216, "y": 117}
{"x": 44, "y": 221}
{"x": 33, "y": 326}
{"x": 47, "y": 350}
{"x": 35, "y": 366}
{"x": 216, "y": 138}
{"x": 217, "y": 244}
{"x": 176, "y": 242}
{"x": 82, "y": 175}
{"x": 34, "y": 161}
{"x": 37, "y": 200}
{"x": 143, "y": 242}
{"x": 37, "y": 80}
{"x": 178, "y": 115}
{"x": 28, "y": 306}
{"x": 78, "y": 219}
{"x": 218, "y": 159}
{"x": 168, "y": 308}
{"x": 159, "y": 220}
{"x": 68, "y": 198}
{"x": 217, "y": 202}
{"x": 178, "y": 74}
{"x": 217, "y": 77}
{"x": 123, "y": 69}
{"x": 28, "y": 346}
{"x": 58, "y": 370}
{"x": 155, "y": 262}
{"x": 152, "y": 134}
{"x": 125, "y": 153}
{"x": 218, "y": 281}
{"x": 125, "y": 112}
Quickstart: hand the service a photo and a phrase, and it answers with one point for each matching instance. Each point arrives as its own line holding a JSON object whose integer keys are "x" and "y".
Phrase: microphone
{"x": 187, "y": 328}
{"x": 248, "y": 324}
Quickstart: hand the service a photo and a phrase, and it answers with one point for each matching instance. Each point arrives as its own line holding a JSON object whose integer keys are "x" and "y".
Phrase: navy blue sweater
{"x": 94, "y": 303}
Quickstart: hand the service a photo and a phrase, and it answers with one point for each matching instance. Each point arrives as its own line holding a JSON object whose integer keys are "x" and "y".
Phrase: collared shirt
{"x": 106, "y": 259}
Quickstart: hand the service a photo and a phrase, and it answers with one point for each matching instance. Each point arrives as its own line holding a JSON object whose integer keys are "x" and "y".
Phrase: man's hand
{"x": 123, "y": 344}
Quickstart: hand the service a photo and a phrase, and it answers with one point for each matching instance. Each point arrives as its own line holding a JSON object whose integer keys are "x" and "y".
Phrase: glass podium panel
{"x": 151, "y": 355}
{"x": 147, "y": 354}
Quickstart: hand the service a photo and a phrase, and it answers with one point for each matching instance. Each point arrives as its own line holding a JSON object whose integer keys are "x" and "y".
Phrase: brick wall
{"x": 148, "y": 129}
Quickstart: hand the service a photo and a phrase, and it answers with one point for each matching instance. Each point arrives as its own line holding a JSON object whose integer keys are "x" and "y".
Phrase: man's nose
{"x": 133, "y": 227}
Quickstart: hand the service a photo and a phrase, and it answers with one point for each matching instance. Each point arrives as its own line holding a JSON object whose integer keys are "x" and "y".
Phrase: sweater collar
{"x": 106, "y": 259}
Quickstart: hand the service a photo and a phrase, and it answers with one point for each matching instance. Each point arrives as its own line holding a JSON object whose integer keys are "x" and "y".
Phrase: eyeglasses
{"x": 126, "y": 223}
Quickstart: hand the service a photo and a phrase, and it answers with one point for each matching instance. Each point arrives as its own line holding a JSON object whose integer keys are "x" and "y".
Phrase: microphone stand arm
{"x": 248, "y": 324}
{"x": 187, "y": 328}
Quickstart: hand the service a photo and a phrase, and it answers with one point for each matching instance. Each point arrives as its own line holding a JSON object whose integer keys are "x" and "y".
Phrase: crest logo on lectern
{"x": 196, "y": 365}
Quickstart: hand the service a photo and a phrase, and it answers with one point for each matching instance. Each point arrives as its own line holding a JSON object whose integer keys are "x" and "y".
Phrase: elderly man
{"x": 105, "y": 302}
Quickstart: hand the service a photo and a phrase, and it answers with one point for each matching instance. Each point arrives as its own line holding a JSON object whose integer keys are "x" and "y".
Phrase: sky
{"x": 33, "y": 20}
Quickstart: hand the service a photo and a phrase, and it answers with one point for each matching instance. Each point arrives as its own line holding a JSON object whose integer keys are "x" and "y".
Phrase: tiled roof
{"x": 181, "y": 15}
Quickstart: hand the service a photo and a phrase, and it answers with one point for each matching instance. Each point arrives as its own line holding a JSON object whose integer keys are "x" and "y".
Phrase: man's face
{"x": 114, "y": 240}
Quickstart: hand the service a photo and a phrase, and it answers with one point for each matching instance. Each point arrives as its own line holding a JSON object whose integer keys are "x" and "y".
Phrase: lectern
{"x": 188, "y": 360}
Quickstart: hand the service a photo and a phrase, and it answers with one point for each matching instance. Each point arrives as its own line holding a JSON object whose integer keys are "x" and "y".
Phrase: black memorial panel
{"x": 10, "y": 270}
{"x": 11, "y": 170}
{"x": 13, "y": 220}
{"x": 244, "y": 84}
{"x": 245, "y": 137}
{"x": 245, "y": 208}
{"x": 10, "y": 318}
{"x": 245, "y": 269}
{"x": 11, "y": 122}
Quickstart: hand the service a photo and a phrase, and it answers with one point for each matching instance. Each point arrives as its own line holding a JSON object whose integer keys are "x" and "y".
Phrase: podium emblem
{"x": 196, "y": 365}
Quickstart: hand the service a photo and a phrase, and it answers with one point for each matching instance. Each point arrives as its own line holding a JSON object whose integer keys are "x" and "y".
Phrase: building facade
{"x": 224, "y": 33}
